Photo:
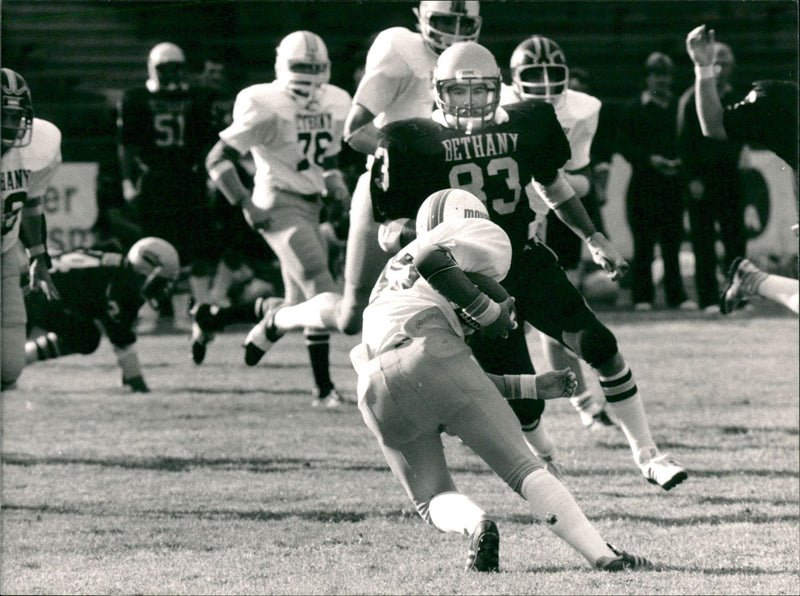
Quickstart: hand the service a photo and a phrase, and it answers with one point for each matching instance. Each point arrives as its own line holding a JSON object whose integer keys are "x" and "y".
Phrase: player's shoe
{"x": 600, "y": 422}
{"x": 553, "y": 466}
{"x": 261, "y": 337}
{"x": 484, "y": 548}
{"x": 328, "y": 402}
{"x": 664, "y": 471}
{"x": 622, "y": 561}
{"x": 741, "y": 283}
{"x": 203, "y": 328}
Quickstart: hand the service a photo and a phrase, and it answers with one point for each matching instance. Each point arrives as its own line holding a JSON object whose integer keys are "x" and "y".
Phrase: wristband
{"x": 483, "y": 310}
{"x": 704, "y": 72}
{"x": 527, "y": 387}
{"x": 36, "y": 251}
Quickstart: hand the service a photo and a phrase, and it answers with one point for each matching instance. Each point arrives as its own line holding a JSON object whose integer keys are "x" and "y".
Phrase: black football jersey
{"x": 103, "y": 286}
{"x": 418, "y": 157}
{"x": 768, "y": 116}
{"x": 173, "y": 130}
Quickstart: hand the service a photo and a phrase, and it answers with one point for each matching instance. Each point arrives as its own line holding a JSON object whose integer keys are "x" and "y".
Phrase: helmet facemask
{"x": 469, "y": 101}
{"x": 302, "y": 66}
{"x": 542, "y": 83}
{"x": 440, "y": 30}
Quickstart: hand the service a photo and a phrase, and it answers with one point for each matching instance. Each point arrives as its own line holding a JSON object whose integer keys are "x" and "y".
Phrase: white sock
{"x": 632, "y": 419}
{"x": 199, "y": 288}
{"x": 455, "y": 513}
{"x": 553, "y": 505}
{"x": 318, "y": 312}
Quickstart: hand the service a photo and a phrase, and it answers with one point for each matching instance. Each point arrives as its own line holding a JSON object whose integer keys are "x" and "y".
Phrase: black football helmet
{"x": 539, "y": 70}
{"x": 17, "y": 109}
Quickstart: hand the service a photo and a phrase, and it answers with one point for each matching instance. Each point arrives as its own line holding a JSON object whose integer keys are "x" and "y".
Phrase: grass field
{"x": 223, "y": 480}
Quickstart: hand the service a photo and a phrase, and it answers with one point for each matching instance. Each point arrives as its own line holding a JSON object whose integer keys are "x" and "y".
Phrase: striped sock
{"x": 626, "y": 405}
{"x": 44, "y": 347}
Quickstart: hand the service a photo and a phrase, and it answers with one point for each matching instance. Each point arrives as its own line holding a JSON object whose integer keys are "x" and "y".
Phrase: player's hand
{"x": 506, "y": 321}
{"x": 391, "y": 234}
{"x": 606, "y": 255}
{"x": 554, "y": 384}
{"x": 130, "y": 191}
{"x": 40, "y": 279}
{"x": 136, "y": 384}
{"x": 700, "y": 46}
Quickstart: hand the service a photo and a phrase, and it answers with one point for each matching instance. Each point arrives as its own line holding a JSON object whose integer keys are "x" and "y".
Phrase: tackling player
{"x": 293, "y": 129}
{"x": 31, "y": 154}
{"x": 101, "y": 290}
{"x": 540, "y": 73}
{"x": 767, "y": 116}
{"x": 165, "y": 128}
{"x": 472, "y": 143}
{"x": 418, "y": 378}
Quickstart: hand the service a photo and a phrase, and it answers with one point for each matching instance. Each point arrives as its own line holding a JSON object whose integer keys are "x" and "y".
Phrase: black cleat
{"x": 484, "y": 548}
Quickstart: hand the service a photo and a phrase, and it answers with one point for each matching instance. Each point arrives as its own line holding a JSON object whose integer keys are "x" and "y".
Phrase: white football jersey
{"x": 477, "y": 245}
{"x": 397, "y": 82}
{"x": 288, "y": 143}
{"x": 26, "y": 174}
{"x": 578, "y": 114}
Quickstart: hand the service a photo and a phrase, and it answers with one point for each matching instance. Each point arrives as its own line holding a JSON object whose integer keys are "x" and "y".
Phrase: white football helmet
{"x": 539, "y": 70}
{"x": 158, "y": 263}
{"x": 446, "y": 205}
{"x": 444, "y": 23}
{"x": 466, "y": 85}
{"x": 166, "y": 68}
{"x": 302, "y": 65}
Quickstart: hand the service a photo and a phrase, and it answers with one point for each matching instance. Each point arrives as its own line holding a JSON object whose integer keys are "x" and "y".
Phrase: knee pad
{"x": 528, "y": 411}
{"x": 595, "y": 344}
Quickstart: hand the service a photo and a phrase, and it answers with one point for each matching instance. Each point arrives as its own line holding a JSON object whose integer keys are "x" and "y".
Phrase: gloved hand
{"x": 136, "y": 384}
{"x": 606, "y": 255}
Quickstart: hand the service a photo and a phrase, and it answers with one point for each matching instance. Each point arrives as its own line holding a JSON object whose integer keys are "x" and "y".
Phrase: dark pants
{"x": 655, "y": 215}
{"x": 722, "y": 203}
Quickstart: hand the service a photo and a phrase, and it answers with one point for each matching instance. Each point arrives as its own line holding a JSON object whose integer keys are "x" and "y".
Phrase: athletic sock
{"x": 627, "y": 407}
{"x": 318, "y": 344}
{"x": 453, "y": 512}
{"x": 553, "y": 505}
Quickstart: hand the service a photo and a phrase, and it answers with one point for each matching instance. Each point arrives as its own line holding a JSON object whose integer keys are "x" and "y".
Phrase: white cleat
{"x": 664, "y": 471}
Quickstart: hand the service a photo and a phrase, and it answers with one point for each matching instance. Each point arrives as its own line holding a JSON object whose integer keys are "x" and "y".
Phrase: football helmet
{"x": 16, "y": 106}
{"x": 448, "y": 204}
{"x": 444, "y": 23}
{"x": 302, "y": 65}
{"x": 166, "y": 66}
{"x": 466, "y": 85}
{"x": 539, "y": 70}
{"x": 158, "y": 263}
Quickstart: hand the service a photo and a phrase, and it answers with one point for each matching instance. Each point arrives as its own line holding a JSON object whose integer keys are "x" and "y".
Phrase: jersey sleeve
{"x": 122, "y": 308}
{"x": 477, "y": 245}
{"x": 552, "y": 147}
{"x": 384, "y": 73}
{"x": 254, "y": 122}
{"x": 340, "y": 106}
{"x": 45, "y": 157}
{"x": 581, "y": 137}
{"x": 131, "y": 119}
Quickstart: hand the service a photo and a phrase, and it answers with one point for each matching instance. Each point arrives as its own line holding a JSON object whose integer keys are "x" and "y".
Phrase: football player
{"x": 101, "y": 290}
{"x": 470, "y": 142}
{"x": 31, "y": 154}
{"x": 165, "y": 128}
{"x": 293, "y": 128}
{"x": 767, "y": 116}
{"x": 412, "y": 332}
{"x": 396, "y": 85}
{"x": 540, "y": 73}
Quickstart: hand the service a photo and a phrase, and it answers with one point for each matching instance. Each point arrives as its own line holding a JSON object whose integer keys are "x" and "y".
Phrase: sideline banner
{"x": 70, "y": 206}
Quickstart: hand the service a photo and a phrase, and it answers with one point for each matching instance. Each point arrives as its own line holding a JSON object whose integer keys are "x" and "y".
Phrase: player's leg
{"x": 13, "y": 319}
{"x": 548, "y": 301}
{"x": 364, "y": 259}
{"x": 746, "y": 280}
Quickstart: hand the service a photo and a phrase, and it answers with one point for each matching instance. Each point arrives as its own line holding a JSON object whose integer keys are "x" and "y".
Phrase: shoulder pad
{"x": 408, "y": 131}
{"x": 582, "y": 105}
{"x": 45, "y": 145}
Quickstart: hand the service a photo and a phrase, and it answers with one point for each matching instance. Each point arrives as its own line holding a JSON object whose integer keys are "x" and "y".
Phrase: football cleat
{"x": 329, "y": 402}
{"x": 741, "y": 283}
{"x": 202, "y": 331}
{"x": 622, "y": 561}
{"x": 484, "y": 548}
{"x": 598, "y": 423}
{"x": 261, "y": 337}
{"x": 664, "y": 471}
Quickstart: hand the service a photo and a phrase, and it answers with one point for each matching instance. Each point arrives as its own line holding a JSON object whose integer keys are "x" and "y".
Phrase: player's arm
{"x": 220, "y": 165}
{"x": 561, "y": 198}
{"x": 700, "y": 47}
{"x": 580, "y": 181}
{"x": 549, "y": 385}
{"x": 359, "y": 130}
{"x": 436, "y": 264}
{"x": 128, "y": 149}
{"x": 337, "y": 196}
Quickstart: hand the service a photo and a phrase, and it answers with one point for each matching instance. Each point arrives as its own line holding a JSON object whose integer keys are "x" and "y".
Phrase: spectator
{"x": 656, "y": 190}
{"x": 714, "y": 193}
{"x": 165, "y": 128}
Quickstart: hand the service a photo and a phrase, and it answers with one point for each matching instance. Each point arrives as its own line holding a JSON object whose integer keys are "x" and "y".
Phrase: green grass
{"x": 225, "y": 481}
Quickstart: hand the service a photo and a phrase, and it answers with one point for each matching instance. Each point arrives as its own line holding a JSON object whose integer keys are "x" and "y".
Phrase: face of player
{"x": 468, "y": 96}
{"x": 544, "y": 83}
{"x": 659, "y": 83}
{"x": 170, "y": 75}
{"x": 13, "y": 126}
